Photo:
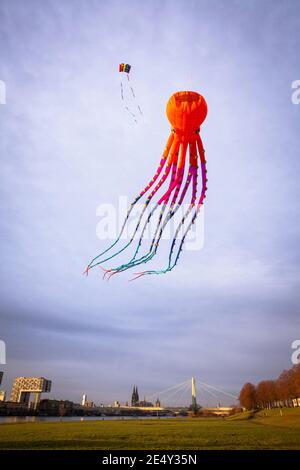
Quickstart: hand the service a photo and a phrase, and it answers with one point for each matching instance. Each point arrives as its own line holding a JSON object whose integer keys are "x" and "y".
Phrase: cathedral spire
{"x": 135, "y": 396}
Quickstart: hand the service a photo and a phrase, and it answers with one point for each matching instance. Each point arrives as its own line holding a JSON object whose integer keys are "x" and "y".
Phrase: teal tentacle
{"x": 137, "y": 198}
{"x": 139, "y": 220}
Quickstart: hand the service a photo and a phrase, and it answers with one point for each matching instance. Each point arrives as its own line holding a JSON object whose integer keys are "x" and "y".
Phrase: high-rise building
{"x": 84, "y": 400}
{"x": 86, "y": 403}
{"x": 24, "y": 386}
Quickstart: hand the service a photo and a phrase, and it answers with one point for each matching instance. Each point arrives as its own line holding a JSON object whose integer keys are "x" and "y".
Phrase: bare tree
{"x": 247, "y": 396}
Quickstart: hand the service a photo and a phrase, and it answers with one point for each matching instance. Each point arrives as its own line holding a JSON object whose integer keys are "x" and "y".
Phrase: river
{"x": 45, "y": 419}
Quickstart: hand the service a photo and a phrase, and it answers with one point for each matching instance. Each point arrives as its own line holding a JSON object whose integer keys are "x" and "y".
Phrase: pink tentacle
{"x": 178, "y": 187}
{"x": 179, "y": 177}
{"x": 158, "y": 172}
{"x": 203, "y": 171}
{"x": 191, "y": 175}
{"x": 173, "y": 177}
{"x": 195, "y": 185}
{"x": 173, "y": 154}
{"x": 160, "y": 166}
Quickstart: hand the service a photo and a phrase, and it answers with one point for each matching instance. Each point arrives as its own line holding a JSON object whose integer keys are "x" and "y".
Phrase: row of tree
{"x": 285, "y": 391}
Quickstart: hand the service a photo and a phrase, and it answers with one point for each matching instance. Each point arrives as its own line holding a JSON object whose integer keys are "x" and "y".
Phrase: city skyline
{"x": 30, "y": 391}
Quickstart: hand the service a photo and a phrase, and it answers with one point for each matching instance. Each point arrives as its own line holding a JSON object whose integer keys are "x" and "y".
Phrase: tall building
{"x": 24, "y": 386}
{"x": 135, "y": 400}
{"x": 86, "y": 403}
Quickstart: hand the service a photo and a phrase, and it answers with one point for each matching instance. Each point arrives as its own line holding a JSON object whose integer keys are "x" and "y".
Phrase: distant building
{"x": 56, "y": 407}
{"x": 117, "y": 404}
{"x": 157, "y": 403}
{"x": 1, "y": 376}
{"x": 24, "y": 386}
{"x": 8, "y": 408}
{"x": 89, "y": 404}
{"x": 135, "y": 400}
{"x": 86, "y": 403}
{"x": 145, "y": 403}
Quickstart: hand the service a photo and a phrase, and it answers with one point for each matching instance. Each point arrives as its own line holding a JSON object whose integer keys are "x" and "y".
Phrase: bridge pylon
{"x": 194, "y": 408}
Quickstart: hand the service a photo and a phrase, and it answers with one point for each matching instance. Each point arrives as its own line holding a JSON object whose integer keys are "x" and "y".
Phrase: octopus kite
{"x": 186, "y": 111}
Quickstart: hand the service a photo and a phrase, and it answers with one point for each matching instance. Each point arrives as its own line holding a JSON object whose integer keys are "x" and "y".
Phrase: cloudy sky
{"x": 229, "y": 312}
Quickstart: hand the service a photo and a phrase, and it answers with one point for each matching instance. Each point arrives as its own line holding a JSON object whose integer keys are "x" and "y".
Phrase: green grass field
{"x": 264, "y": 430}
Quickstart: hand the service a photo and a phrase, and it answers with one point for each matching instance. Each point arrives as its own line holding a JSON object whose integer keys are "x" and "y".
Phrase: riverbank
{"x": 68, "y": 419}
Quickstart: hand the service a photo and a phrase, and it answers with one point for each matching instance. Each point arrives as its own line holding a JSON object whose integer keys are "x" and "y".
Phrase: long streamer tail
{"x": 173, "y": 263}
{"x": 175, "y": 186}
{"x": 137, "y": 199}
{"x": 125, "y": 266}
{"x": 174, "y": 150}
{"x": 192, "y": 175}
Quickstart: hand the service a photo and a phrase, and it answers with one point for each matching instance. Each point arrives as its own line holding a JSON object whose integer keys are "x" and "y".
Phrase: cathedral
{"x": 135, "y": 399}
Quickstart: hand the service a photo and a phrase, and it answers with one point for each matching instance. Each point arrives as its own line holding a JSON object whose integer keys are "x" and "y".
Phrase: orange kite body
{"x": 186, "y": 111}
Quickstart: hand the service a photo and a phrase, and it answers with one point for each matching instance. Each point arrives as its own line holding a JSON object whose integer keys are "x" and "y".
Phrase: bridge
{"x": 184, "y": 395}
{"x": 180, "y": 399}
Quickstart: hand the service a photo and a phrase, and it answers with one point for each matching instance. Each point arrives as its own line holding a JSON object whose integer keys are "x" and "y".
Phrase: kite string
{"x": 134, "y": 96}
{"x": 125, "y": 104}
